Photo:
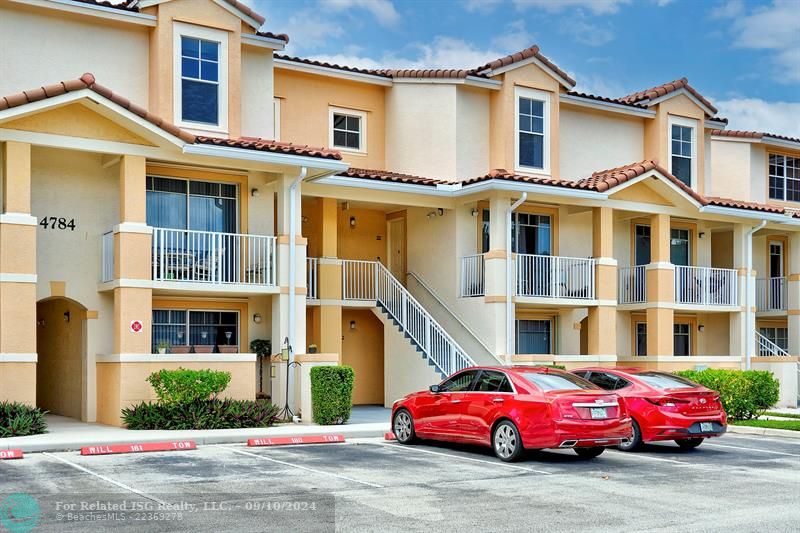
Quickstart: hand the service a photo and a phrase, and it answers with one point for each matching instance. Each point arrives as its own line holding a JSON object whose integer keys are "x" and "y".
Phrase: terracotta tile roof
{"x": 719, "y": 119}
{"x": 372, "y": 72}
{"x": 87, "y": 81}
{"x": 503, "y": 174}
{"x": 269, "y": 35}
{"x": 431, "y": 73}
{"x": 127, "y": 5}
{"x": 605, "y": 180}
{"x": 739, "y": 204}
{"x": 605, "y": 99}
{"x": 385, "y": 175}
{"x": 266, "y": 145}
{"x": 664, "y": 89}
{"x": 246, "y": 10}
{"x": 532, "y": 51}
{"x": 753, "y": 135}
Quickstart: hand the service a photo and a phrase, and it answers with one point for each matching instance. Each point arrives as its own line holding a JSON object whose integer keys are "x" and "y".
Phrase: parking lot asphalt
{"x": 731, "y": 483}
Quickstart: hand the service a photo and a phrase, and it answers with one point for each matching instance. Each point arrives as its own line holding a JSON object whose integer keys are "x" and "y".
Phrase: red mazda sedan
{"x": 663, "y": 406}
{"x": 511, "y": 409}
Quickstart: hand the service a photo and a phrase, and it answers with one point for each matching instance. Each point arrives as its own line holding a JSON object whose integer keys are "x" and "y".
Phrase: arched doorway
{"x": 60, "y": 345}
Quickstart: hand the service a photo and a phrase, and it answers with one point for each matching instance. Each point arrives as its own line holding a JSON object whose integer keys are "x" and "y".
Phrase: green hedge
{"x": 187, "y": 386}
{"x": 745, "y": 394}
{"x": 18, "y": 419}
{"x": 201, "y": 414}
{"x": 332, "y": 393}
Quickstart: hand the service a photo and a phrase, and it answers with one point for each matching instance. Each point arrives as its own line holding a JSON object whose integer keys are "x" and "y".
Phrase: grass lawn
{"x": 782, "y": 415}
{"x": 793, "y": 425}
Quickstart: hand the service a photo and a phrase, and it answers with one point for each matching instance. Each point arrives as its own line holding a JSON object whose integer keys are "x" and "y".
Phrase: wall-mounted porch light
{"x": 257, "y": 318}
{"x": 352, "y": 324}
{"x": 352, "y": 222}
{"x": 701, "y": 327}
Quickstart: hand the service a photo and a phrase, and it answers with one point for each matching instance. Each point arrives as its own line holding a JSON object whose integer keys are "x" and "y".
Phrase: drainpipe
{"x": 292, "y": 271}
{"x": 748, "y": 312}
{"x": 510, "y": 279}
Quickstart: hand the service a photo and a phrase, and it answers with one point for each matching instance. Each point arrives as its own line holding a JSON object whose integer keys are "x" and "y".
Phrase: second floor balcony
{"x": 771, "y": 294}
{"x": 698, "y": 286}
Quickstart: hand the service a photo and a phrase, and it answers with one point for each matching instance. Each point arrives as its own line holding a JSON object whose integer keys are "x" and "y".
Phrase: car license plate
{"x": 598, "y": 412}
{"x": 706, "y": 427}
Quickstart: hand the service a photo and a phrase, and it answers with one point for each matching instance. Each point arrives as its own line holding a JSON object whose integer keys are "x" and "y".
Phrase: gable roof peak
{"x": 648, "y": 95}
{"x": 532, "y": 51}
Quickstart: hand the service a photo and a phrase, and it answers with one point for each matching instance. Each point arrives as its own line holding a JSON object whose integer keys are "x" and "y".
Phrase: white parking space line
{"x": 301, "y": 467}
{"x": 751, "y": 449}
{"x": 461, "y": 457}
{"x": 106, "y": 479}
{"x": 738, "y": 436}
{"x": 650, "y": 458}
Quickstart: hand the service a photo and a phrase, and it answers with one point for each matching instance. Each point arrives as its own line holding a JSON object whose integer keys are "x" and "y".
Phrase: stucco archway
{"x": 61, "y": 346}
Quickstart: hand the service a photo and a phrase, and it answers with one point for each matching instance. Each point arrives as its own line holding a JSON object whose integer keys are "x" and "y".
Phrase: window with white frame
{"x": 348, "y": 129}
{"x": 201, "y": 72}
{"x": 187, "y": 327}
{"x": 682, "y": 149}
{"x": 532, "y": 139}
{"x": 784, "y": 178}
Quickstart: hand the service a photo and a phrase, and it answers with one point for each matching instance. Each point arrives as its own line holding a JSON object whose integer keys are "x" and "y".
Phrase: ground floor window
{"x": 681, "y": 339}
{"x": 641, "y": 338}
{"x": 779, "y": 336}
{"x": 187, "y": 327}
{"x": 534, "y": 336}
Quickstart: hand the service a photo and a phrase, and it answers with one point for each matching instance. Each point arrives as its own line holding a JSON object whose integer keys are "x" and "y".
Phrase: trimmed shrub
{"x": 187, "y": 386}
{"x": 332, "y": 394}
{"x": 18, "y": 420}
{"x": 201, "y": 414}
{"x": 744, "y": 394}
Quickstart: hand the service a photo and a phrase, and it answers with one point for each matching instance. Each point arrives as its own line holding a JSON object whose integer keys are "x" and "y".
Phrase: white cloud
{"x": 515, "y": 37}
{"x": 586, "y": 33}
{"x": 773, "y": 27}
{"x": 756, "y": 114}
{"x": 597, "y": 7}
{"x": 600, "y": 85}
{"x": 308, "y": 30}
{"x": 663, "y": 3}
{"x": 481, "y": 6}
{"x": 382, "y": 10}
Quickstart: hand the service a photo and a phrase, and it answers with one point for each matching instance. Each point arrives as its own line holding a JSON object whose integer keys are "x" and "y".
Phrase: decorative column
{"x": 793, "y": 293}
{"x": 17, "y": 277}
{"x": 330, "y": 282}
{"x": 602, "y": 320}
{"x": 495, "y": 275}
{"x": 660, "y": 289}
{"x": 133, "y": 296}
{"x": 738, "y": 320}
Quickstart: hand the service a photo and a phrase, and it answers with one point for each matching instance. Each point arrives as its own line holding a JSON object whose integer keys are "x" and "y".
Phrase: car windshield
{"x": 660, "y": 380}
{"x": 548, "y": 381}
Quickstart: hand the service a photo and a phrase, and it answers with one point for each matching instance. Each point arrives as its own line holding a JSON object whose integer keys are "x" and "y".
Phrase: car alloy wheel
{"x": 635, "y": 442}
{"x": 506, "y": 442}
{"x": 403, "y": 427}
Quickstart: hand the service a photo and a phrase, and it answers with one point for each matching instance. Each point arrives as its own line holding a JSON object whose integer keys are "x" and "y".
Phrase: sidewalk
{"x": 67, "y": 434}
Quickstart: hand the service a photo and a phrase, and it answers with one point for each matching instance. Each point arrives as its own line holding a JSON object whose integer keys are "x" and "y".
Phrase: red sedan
{"x": 663, "y": 406}
{"x": 511, "y": 409}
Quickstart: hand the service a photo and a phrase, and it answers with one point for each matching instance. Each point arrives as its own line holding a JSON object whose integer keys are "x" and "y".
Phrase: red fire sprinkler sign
{"x": 136, "y": 326}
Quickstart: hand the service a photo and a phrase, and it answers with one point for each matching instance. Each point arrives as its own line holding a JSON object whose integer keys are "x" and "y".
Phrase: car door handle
{"x": 498, "y": 400}
{"x": 455, "y": 401}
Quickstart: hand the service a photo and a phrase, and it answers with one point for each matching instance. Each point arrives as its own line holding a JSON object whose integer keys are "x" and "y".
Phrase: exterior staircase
{"x": 371, "y": 281}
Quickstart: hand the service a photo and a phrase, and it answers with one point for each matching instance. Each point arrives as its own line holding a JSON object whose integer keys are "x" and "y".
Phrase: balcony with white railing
{"x": 473, "y": 278}
{"x": 706, "y": 286}
{"x": 358, "y": 280}
{"x": 771, "y": 294}
{"x": 545, "y": 276}
{"x": 312, "y": 278}
{"x": 632, "y": 285}
{"x": 181, "y": 258}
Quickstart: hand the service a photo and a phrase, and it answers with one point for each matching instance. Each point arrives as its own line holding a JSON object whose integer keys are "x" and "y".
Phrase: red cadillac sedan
{"x": 511, "y": 409}
{"x": 663, "y": 406}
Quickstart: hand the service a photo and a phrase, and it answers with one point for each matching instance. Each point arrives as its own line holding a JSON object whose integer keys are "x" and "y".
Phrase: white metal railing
{"x": 473, "y": 279}
{"x": 107, "y": 255}
{"x": 211, "y": 257}
{"x": 767, "y": 348}
{"x": 771, "y": 294}
{"x": 555, "y": 277}
{"x": 706, "y": 285}
{"x": 312, "y": 278}
{"x": 358, "y": 279}
{"x": 418, "y": 324}
{"x": 632, "y": 285}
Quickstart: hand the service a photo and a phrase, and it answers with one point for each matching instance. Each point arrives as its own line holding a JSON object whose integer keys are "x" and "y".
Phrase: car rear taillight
{"x": 667, "y": 401}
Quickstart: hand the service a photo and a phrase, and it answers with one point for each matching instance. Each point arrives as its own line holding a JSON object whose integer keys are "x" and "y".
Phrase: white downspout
{"x": 748, "y": 312}
{"x": 510, "y": 279}
{"x": 292, "y": 271}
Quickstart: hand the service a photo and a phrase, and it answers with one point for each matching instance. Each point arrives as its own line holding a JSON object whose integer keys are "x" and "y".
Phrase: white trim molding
{"x": 92, "y": 10}
{"x": 19, "y": 219}
{"x": 262, "y": 42}
{"x": 17, "y": 278}
{"x": 606, "y": 106}
{"x": 18, "y": 358}
{"x": 133, "y": 227}
{"x": 176, "y": 358}
{"x": 362, "y": 130}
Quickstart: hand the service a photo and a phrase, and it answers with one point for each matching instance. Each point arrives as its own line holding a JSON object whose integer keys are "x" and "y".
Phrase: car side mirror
{"x": 434, "y": 389}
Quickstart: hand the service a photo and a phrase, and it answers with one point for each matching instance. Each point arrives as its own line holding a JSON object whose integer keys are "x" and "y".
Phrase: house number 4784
{"x": 57, "y": 223}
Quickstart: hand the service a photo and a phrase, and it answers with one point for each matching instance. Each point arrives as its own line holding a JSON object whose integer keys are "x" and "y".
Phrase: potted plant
{"x": 227, "y": 347}
{"x": 162, "y": 347}
{"x": 312, "y": 348}
{"x": 203, "y": 348}
{"x": 179, "y": 348}
{"x": 262, "y": 349}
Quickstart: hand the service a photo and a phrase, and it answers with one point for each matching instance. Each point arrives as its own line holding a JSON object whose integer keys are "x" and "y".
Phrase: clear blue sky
{"x": 743, "y": 55}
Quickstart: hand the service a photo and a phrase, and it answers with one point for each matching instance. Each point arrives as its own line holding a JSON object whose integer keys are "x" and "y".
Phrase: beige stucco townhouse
{"x": 166, "y": 200}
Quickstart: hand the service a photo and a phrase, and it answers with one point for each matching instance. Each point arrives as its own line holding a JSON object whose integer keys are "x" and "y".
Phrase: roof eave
{"x": 568, "y": 84}
{"x": 108, "y": 13}
{"x": 263, "y": 42}
{"x": 274, "y": 158}
{"x": 607, "y": 106}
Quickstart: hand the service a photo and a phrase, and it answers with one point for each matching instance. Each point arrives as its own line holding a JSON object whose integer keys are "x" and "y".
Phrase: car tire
{"x": 690, "y": 444}
{"x": 506, "y": 442}
{"x": 635, "y": 441}
{"x": 589, "y": 453}
{"x": 403, "y": 427}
